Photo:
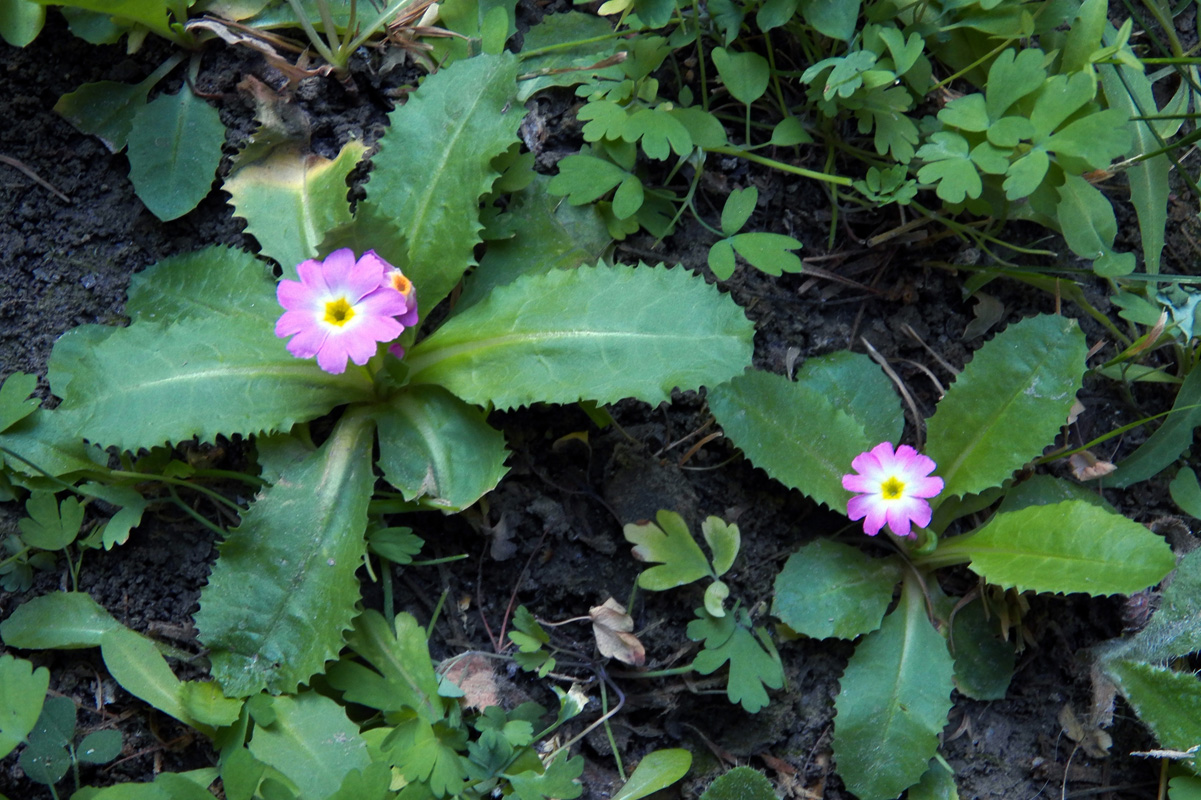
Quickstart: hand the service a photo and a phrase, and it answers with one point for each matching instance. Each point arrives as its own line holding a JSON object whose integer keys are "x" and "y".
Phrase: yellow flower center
{"x": 338, "y": 312}
{"x": 892, "y": 489}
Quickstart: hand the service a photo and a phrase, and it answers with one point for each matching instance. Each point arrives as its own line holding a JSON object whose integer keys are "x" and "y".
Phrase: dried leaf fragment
{"x": 612, "y": 627}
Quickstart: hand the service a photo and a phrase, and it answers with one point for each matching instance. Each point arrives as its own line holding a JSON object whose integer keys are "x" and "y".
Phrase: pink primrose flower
{"x": 893, "y": 488}
{"x": 340, "y": 308}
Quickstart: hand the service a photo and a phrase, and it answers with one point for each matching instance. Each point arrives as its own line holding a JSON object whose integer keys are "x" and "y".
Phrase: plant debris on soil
{"x": 549, "y": 537}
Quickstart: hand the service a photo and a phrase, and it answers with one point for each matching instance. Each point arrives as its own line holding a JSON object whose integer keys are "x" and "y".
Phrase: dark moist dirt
{"x": 563, "y": 504}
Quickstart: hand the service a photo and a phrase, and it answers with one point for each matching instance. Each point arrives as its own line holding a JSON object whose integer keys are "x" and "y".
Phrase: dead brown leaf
{"x": 613, "y": 628}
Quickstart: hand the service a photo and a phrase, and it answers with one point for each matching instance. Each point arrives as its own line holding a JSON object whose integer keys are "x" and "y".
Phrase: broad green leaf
{"x": 745, "y": 75}
{"x": 670, "y": 545}
{"x": 774, "y": 13}
{"x": 204, "y": 702}
{"x": 893, "y": 702}
{"x": 290, "y": 199}
{"x": 829, "y": 589}
{"x": 937, "y": 784}
{"x": 1008, "y": 403}
{"x": 603, "y": 119}
{"x": 966, "y": 113}
{"x": 789, "y": 132}
{"x": 1087, "y": 222}
{"x": 793, "y": 431}
{"x": 1097, "y": 139}
{"x": 740, "y": 783}
{"x": 1009, "y": 131}
{"x": 1060, "y": 97}
{"x": 833, "y": 18}
{"x": 721, "y": 259}
{"x": 58, "y": 621}
{"x": 549, "y": 234}
{"x": 154, "y": 14}
{"x": 15, "y": 401}
{"x": 22, "y": 691}
{"x": 1169, "y": 702}
{"x": 438, "y": 449}
{"x": 215, "y": 281}
{"x": 50, "y": 526}
{"x": 1175, "y": 629}
{"x": 856, "y": 384}
{"x": 560, "y": 338}
{"x": 105, "y": 109}
{"x": 429, "y": 754}
{"x": 435, "y": 162}
{"x": 136, "y": 664}
{"x": 43, "y": 443}
{"x": 201, "y": 376}
{"x": 1186, "y": 492}
{"x": 1073, "y": 546}
{"x": 404, "y": 675}
{"x": 311, "y": 742}
{"x": 21, "y": 21}
{"x": 659, "y": 133}
{"x": 284, "y": 589}
{"x": 983, "y": 661}
{"x": 1026, "y": 174}
{"x": 1085, "y": 35}
{"x": 469, "y": 19}
{"x": 706, "y": 130}
{"x": 174, "y": 149}
{"x": 1169, "y": 440}
{"x": 556, "y": 30}
{"x": 657, "y": 770}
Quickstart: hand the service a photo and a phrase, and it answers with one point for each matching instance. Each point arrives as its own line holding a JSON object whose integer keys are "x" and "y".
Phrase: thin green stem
{"x": 187, "y": 509}
{"x": 780, "y": 165}
{"x": 311, "y": 32}
{"x": 553, "y": 48}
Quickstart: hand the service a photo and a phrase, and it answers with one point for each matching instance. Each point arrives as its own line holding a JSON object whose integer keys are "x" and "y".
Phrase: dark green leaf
{"x": 174, "y": 149}
{"x": 829, "y": 589}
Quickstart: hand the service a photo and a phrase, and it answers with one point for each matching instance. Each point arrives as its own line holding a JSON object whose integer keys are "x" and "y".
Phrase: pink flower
{"x": 340, "y": 308}
{"x": 893, "y": 489}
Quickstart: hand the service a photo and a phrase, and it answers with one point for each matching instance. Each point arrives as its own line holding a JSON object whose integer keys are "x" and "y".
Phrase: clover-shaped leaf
{"x": 669, "y": 543}
{"x": 754, "y": 662}
{"x": 950, "y": 167}
{"x": 51, "y": 526}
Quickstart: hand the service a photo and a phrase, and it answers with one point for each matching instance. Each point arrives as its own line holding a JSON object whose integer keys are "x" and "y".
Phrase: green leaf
{"x": 99, "y": 747}
{"x": 435, "y": 162}
{"x": 829, "y": 589}
{"x": 15, "y": 401}
{"x": 1060, "y": 97}
{"x": 1073, "y": 546}
{"x": 404, "y": 675}
{"x": 1175, "y": 629}
{"x": 397, "y": 545}
{"x": 311, "y": 742}
{"x": 789, "y": 132}
{"x": 58, "y": 621}
{"x": 1169, "y": 440}
{"x": 541, "y": 338}
{"x": 22, "y": 692}
{"x": 1008, "y": 403}
{"x": 833, "y": 18}
{"x": 1097, "y": 139}
{"x": 290, "y": 199}
{"x": 950, "y": 167}
{"x": 657, "y": 770}
{"x": 937, "y": 784}
{"x": 1131, "y": 92}
{"x": 50, "y": 526}
{"x": 745, "y": 75}
{"x": 740, "y": 204}
{"x": 116, "y": 530}
{"x": 154, "y": 14}
{"x": 774, "y": 13}
{"x": 1026, "y": 174}
{"x": 585, "y": 179}
{"x": 45, "y": 759}
{"x": 768, "y": 252}
{"x": 429, "y": 754}
{"x": 548, "y": 234}
{"x": 724, "y": 540}
{"x": 469, "y": 18}
{"x": 174, "y": 149}
{"x": 1088, "y": 224}
{"x": 136, "y": 664}
{"x": 284, "y": 588}
{"x": 1186, "y": 492}
{"x": 105, "y": 109}
{"x": 893, "y": 702}
{"x": 559, "y": 780}
{"x": 438, "y": 449}
{"x": 754, "y": 662}
{"x": 21, "y": 21}
{"x": 856, "y": 384}
{"x": 721, "y": 259}
{"x": 966, "y": 113}
{"x": 983, "y": 661}
{"x": 1169, "y": 702}
{"x": 201, "y": 376}
{"x": 1009, "y": 131}
{"x": 1013, "y": 75}
{"x": 793, "y": 431}
{"x": 670, "y": 545}
{"x": 204, "y": 702}
{"x": 659, "y": 133}
{"x": 558, "y": 30}
{"x": 740, "y": 783}
{"x": 215, "y": 281}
